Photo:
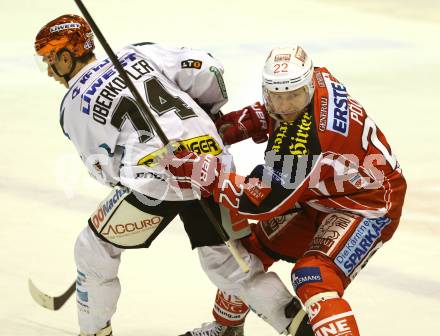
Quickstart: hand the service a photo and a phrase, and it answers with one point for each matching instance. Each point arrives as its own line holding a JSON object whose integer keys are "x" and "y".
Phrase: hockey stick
{"x": 50, "y": 302}
{"x": 218, "y": 227}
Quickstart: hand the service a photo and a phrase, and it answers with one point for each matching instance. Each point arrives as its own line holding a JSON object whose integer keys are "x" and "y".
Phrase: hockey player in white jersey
{"x": 184, "y": 90}
{"x": 118, "y": 146}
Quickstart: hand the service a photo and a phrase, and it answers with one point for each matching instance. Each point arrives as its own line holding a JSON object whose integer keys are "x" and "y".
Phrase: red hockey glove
{"x": 231, "y": 188}
{"x": 192, "y": 171}
{"x": 204, "y": 173}
{"x": 250, "y": 121}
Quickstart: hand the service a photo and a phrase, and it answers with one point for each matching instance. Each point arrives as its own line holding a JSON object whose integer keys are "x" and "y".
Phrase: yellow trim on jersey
{"x": 204, "y": 144}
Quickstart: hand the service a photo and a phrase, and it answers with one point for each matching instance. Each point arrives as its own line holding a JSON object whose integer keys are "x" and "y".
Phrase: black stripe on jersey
{"x": 292, "y": 152}
{"x": 283, "y": 185}
{"x": 62, "y": 124}
{"x": 142, "y": 43}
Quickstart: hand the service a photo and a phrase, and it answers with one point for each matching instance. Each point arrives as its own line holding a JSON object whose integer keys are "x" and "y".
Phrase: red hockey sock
{"x": 229, "y": 310}
{"x": 331, "y": 316}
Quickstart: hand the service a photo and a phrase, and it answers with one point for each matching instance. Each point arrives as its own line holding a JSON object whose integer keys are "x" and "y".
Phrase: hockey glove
{"x": 204, "y": 173}
{"x": 250, "y": 121}
{"x": 191, "y": 171}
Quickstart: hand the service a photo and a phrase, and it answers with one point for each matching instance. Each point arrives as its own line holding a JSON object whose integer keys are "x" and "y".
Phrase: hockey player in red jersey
{"x": 327, "y": 197}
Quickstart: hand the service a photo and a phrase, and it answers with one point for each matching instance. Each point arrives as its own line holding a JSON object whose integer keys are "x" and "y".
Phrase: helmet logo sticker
{"x": 300, "y": 54}
{"x": 88, "y": 44}
{"x": 59, "y": 27}
{"x": 282, "y": 57}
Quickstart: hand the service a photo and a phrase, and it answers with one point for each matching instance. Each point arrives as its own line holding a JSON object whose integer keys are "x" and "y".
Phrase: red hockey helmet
{"x": 69, "y": 32}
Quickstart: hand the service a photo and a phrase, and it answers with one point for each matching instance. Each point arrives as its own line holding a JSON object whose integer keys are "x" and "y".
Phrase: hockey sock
{"x": 331, "y": 315}
{"x": 229, "y": 310}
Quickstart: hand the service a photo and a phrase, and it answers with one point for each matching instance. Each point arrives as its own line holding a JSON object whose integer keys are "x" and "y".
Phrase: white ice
{"x": 387, "y": 52}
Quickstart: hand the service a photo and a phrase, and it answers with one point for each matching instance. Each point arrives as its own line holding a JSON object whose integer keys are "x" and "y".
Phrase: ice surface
{"x": 386, "y": 52}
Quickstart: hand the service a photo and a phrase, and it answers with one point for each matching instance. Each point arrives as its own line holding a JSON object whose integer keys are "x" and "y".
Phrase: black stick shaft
{"x": 143, "y": 106}
{"x": 62, "y": 299}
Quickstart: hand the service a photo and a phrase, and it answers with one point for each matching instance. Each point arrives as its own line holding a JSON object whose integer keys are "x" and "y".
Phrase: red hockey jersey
{"x": 333, "y": 158}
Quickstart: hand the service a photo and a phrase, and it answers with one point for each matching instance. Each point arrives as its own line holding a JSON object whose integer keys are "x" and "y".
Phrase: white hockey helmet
{"x": 287, "y": 69}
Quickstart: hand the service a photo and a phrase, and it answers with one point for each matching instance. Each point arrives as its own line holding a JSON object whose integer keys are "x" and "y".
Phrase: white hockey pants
{"x": 97, "y": 284}
{"x": 265, "y": 293}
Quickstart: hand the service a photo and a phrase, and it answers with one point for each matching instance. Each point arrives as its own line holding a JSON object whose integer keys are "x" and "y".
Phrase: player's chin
{"x": 289, "y": 117}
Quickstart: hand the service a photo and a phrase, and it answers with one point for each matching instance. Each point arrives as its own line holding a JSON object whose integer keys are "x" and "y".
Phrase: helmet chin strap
{"x": 66, "y": 76}
{"x": 276, "y": 116}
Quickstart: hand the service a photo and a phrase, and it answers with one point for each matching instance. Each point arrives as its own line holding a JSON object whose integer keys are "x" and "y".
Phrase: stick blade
{"x": 42, "y": 299}
{"x": 50, "y": 302}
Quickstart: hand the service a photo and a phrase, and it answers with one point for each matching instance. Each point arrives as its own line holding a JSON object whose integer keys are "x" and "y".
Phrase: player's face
{"x": 61, "y": 64}
{"x": 289, "y": 105}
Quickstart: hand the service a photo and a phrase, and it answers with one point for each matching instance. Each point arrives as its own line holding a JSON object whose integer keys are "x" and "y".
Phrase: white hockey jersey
{"x": 112, "y": 134}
